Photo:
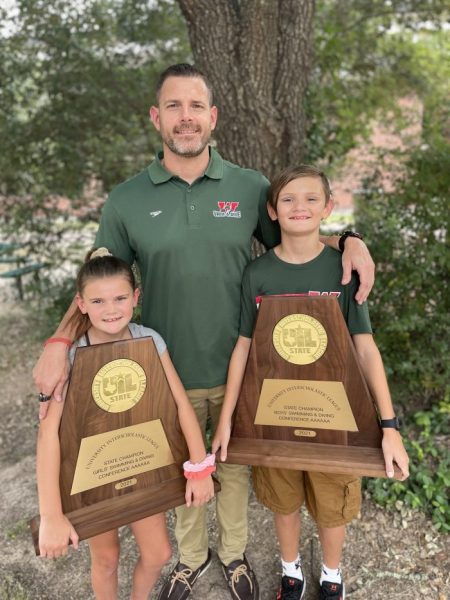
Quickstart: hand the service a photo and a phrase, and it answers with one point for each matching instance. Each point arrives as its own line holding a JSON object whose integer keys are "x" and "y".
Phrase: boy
{"x": 299, "y": 198}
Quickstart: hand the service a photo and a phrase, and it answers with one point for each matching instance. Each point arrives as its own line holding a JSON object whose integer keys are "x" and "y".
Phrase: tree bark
{"x": 257, "y": 55}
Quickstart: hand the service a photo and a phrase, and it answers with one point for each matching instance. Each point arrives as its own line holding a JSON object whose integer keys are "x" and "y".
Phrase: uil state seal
{"x": 119, "y": 385}
{"x": 299, "y": 339}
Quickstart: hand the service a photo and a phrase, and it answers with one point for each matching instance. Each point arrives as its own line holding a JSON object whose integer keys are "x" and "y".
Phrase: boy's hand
{"x": 221, "y": 440}
{"x": 394, "y": 451}
{"x": 356, "y": 257}
{"x": 54, "y": 535}
{"x": 51, "y": 373}
{"x": 199, "y": 491}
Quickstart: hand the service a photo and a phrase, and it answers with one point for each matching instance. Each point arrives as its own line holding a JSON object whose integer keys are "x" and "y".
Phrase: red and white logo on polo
{"x": 227, "y": 209}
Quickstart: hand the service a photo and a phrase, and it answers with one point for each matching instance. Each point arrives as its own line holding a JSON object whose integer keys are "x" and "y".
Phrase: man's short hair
{"x": 183, "y": 70}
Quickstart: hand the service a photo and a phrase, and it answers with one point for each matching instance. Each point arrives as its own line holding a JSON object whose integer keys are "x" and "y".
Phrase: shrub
{"x": 407, "y": 232}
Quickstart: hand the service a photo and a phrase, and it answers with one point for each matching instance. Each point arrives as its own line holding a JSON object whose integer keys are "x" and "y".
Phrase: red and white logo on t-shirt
{"x": 227, "y": 209}
{"x": 310, "y": 293}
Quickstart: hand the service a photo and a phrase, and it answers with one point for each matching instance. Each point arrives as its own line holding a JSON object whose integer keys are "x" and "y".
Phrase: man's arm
{"x": 356, "y": 257}
{"x": 51, "y": 371}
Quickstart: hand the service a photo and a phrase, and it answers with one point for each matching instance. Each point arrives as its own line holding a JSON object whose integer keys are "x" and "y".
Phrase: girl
{"x": 106, "y": 297}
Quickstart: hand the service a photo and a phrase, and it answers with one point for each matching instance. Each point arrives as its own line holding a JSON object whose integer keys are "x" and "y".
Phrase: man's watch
{"x": 390, "y": 423}
{"x": 347, "y": 234}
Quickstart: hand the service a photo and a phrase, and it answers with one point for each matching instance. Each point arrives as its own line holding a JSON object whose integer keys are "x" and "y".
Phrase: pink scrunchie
{"x": 208, "y": 461}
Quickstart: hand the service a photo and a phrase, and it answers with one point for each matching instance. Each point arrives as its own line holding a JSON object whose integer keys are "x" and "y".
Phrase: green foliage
{"x": 427, "y": 487}
{"x": 407, "y": 232}
{"x": 368, "y": 54}
{"x": 77, "y": 82}
{"x": 55, "y": 309}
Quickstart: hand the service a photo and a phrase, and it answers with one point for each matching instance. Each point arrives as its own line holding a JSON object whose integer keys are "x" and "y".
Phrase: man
{"x": 187, "y": 220}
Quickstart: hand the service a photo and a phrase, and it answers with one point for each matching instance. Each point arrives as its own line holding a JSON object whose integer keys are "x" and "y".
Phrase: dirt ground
{"x": 388, "y": 555}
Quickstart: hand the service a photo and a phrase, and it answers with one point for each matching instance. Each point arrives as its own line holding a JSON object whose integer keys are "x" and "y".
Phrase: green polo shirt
{"x": 191, "y": 244}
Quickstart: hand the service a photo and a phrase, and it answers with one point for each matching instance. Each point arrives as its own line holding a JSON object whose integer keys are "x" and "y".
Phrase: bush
{"x": 407, "y": 232}
{"x": 426, "y": 441}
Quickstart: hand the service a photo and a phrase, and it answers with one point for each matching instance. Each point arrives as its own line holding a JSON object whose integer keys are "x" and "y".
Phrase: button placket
{"x": 193, "y": 216}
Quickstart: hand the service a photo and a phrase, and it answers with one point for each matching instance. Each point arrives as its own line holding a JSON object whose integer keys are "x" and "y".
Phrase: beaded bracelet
{"x": 54, "y": 340}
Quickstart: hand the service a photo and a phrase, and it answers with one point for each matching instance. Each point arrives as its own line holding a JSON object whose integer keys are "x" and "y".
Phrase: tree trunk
{"x": 257, "y": 54}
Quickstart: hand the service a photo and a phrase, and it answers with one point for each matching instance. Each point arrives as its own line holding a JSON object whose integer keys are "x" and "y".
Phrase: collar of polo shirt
{"x": 159, "y": 174}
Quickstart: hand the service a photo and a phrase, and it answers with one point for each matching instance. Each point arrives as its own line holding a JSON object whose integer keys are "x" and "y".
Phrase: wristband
{"x": 390, "y": 423}
{"x": 54, "y": 340}
{"x": 347, "y": 234}
{"x": 198, "y": 475}
{"x": 208, "y": 461}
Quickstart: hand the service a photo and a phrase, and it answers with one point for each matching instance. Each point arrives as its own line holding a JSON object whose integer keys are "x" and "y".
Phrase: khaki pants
{"x": 231, "y": 502}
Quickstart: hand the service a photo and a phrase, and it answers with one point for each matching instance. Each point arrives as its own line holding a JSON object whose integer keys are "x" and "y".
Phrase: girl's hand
{"x": 54, "y": 535}
{"x": 221, "y": 439}
{"x": 394, "y": 451}
{"x": 199, "y": 491}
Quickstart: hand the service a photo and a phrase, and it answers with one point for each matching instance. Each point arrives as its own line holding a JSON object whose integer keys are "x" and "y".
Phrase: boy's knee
{"x": 289, "y": 520}
{"x": 289, "y": 517}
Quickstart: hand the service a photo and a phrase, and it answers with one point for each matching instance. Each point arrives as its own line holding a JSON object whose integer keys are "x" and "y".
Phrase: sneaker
{"x": 241, "y": 580}
{"x": 291, "y": 588}
{"x": 332, "y": 591}
{"x": 179, "y": 584}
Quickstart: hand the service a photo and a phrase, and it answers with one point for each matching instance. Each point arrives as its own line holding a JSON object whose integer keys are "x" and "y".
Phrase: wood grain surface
{"x": 105, "y": 507}
{"x": 343, "y": 451}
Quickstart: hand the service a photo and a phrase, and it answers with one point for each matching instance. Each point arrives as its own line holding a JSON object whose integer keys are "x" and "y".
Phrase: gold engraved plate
{"x": 300, "y": 339}
{"x": 119, "y": 385}
{"x": 305, "y": 433}
{"x": 124, "y": 484}
{"x": 121, "y": 454}
{"x": 305, "y": 403}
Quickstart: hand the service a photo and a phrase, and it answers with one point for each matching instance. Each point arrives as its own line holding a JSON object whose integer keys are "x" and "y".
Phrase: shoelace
{"x": 183, "y": 577}
{"x": 238, "y": 571}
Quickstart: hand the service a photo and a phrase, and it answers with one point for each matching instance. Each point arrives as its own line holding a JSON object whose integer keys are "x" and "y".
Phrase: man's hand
{"x": 356, "y": 257}
{"x": 51, "y": 373}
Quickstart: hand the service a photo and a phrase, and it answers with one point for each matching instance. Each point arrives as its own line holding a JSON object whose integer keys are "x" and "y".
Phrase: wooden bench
{"x": 22, "y": 263}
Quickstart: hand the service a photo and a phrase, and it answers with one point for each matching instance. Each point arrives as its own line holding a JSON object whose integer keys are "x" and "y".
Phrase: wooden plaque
{"x": 304, "y": 403}
{"x": 122, "y": 447}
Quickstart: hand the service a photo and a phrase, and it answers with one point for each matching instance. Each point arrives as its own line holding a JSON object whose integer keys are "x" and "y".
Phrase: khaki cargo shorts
{"x": 332, "y": 500}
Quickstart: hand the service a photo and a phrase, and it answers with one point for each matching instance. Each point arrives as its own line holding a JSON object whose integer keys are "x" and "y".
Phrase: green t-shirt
{"x": 268, "y": 275}
{"x": 191, "y": 244}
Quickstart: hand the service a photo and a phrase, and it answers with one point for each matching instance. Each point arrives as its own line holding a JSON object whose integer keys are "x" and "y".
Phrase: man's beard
{"x": 188, "y": 149}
